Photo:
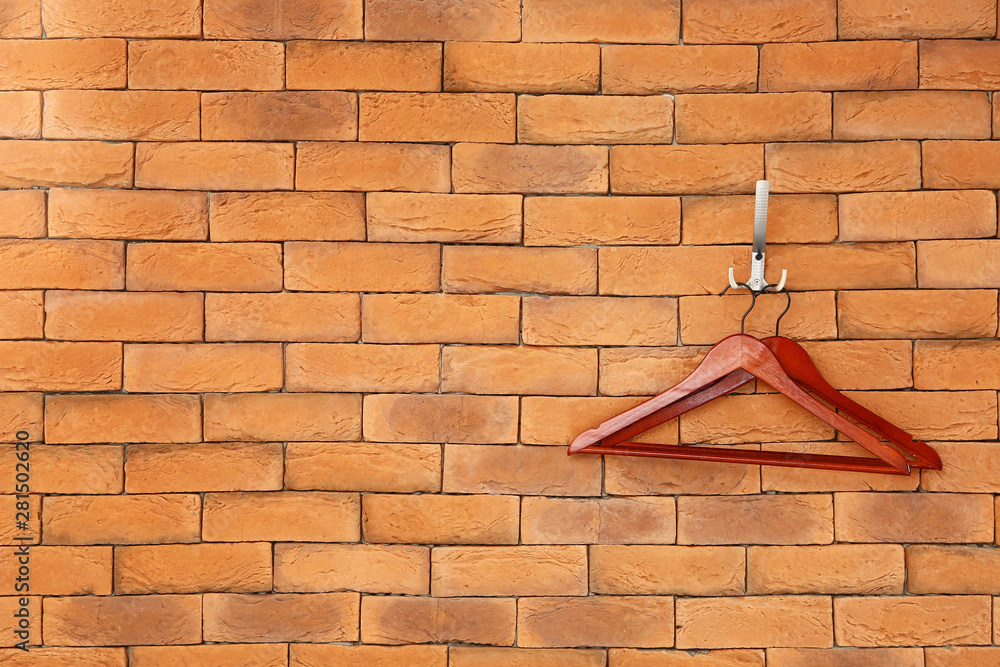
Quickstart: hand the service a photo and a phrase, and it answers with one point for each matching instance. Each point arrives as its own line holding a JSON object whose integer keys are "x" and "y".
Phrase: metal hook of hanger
{"x": 757, "y": 282}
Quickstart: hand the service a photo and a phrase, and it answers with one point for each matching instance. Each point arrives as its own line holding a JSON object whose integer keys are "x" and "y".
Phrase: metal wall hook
{"x": 757, "y": 282}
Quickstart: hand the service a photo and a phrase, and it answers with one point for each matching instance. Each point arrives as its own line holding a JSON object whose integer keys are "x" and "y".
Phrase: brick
{"x": 279, "y": 116}
{"x": 740, "y": 418}
{"x": 504, "y": 571}
{"x": 951, "y": 569}
{"x": 362, "y": 655}
{"x": 900, "y": 20}
{"x": 521, "y": 67}
{"x": 21, "y": 18}
{"x": 125, "y": 619}
{"x": 411, "y": 620}
{"x": 960, "y": 164}
{"x": 911, "y": 115}
{"x": 885, "y": 65}
{"x": 287, "y": 216}
{"x": 223, "y": 466}
{"x": 835, "y": 569}
{"x": 599, "y": 321}
{"x": 25, "y": 214}
{"x": 239, "y": 568}
{"x": 107, "y": 18}
{"x": 222, "y": 267}
{"x": 605, "y": 620}
{"x": 440, "y": 519}
{"x": 437, "y": 117}
{"x": 469, "y": 656}
{"x": 630, "y": 657}
{"x": 282, "y": 516}
{"x": 845, "y": 657}
{"x": 843, "y": 266}
{"x": 967, "y": 364}
{"x": 959, "y": 64}
{"x": 13, "y": 534}
{"x": 281, "y": 617}
{"x": 970, "y": 467}
{"x": 585, "y": 119}
{"x": 82, "y": 419}
{"x": 649, "y": 70}
{"x": 363, "y": 466}
{"x": 62, "y": 264}
{"x": 716, "y": 22}
{"x": 892, "y": 165}
{"x": 478, "y": 269}
{"x": 21, "y": 115}
{"x": 382, "y": 66}
{"x": 397, "y": 569}
{"x": 519, "y": 470}
{"x": 923, "y": 621}
{"x": 601, "y": 220}
{"x": 206, "y": 65}
{"x": 704, "y": 320}
{"x": 284, "y": 417}
{"x": 123, "y": 519}
{"x": 284, "y": 317}
{"x": 790, "y": 219}
{"x": 129, "y": 316}
{"x": 97, "y": 164}
{"x": 373, "y": 166}
{"x": 955, "y": 656}
{"x": 53, "y": 656}
{"x": 456, "y": 218}
{"x": 55, "y": 64}
{"x": 58, "y": 366}
{"x": 709, "y": 169}
{"x": 882, "y": 517}
{"x": 805, "y": 480}
{"x": 917, "y": 314}
{"x": 590, "y": 21}
{"x": 604, "y": 521}
{"x": 749, "y": 118}
{"x": 797, "y": 621}
{"x": 629, "y": 271}
{"x": 441, "y": 20}
{"x": 629, "y": 475}
{"x": 911, "y": 216}
{"x": 532, "y": 169}
{"x": 922, "y": 413}
{"x": 121, "y": 115}
{"x": 23, "y": 313}
{"x": 79, "y": 469}
{"x": 550, "y": 420}
{"x": 61, "y": 570}
{"x": 440, "y": 318}
{"x": 215, "y": 166}
{"x": 888, "y": 361}
{"x": 362, "y": 368}
{"x": 671, "y": 570}
{"x": 250, "y": 655}
{"x": 518, "y": 370}
{"x": 757, "y": 519}
{"x": 202, "y": 367}
{"x": 643, "y": 371}
{"x": 298, "y": 19}
{"x": 362, "y": 267}
{"x": 128, "y": 214}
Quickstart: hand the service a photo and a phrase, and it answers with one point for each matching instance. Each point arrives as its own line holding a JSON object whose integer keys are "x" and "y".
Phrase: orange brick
{"x": 215, "y": 166}
{"x": 20, "y": 412}
{"x": 124, "y": 519}
{"x": 128, "y": 214}
{"x": 62, "y": 63}
{"x": 97, "y": 164}
{"x": 604, "y": 521}
{"x": 694, "y": 269}
{"x": 518, "y": 370}
{"x": 522, "y": 67}
{"x": 790, "y": 219}
{"x": 960, "y": 164}
{"x": 599, "y": 321}
{"x": 383, "y": 66}
{"x": 718, "y": 22}
{"x": 439, "y": 117}
{"x": 834, "y": 657}
{"x": 444, "y": 217}
{"x": 362, "y": 267}
{"x": 13, "y": 533}
{"x": 647, "y": 70}
{"x": 952, "y": 569}
{"x": 705, "y": 320}
{"x": 597, "y": 620}
{"x": 643, "y": 371}
{"x": 279, "y": 116}
{"x": 488, "y": 656}
{"x": 79, "y": 419}
{"x": 833, "y": 167}
{"x": 79, "y": 469}
{"x": 24, "y": 213}
{"x": 921, "y": 517}
{"x": 633, "y": 475}
{"x": 503, "y": 571}
{"x": 970, "y": 467}
{"x": 886, "y": 65}
{"x": 585, "y": 119}
{"x": 630, "y": 657}
{"x": 756, "y": 519}
{"x": 287, "y": 216}
{"x": 924, "y": 621}
{"x": 887, "y": 363}
{"x": 556, "y": 421}
{"x": 363, "y": 466}
{"x": 203, "y": 367}
{"x": 206, "y": 65}
{"x": 833, "y": 569}
{"x": 441, "y": 20}
{"x": 281, "y": 617}
{"x": 53, "y": 656}
{"x": 110, "y": 18}
{"x": 859, "y": 19}
{"x": 632, "y": 21}
{"x": 282, "y": 516}
{"x": 959, "y": 64}
{"x": 307, "y": 568}
{"x": 121, "y": 115}
{"x": 285, "y": 317}
{"x": 223, "y": 466}
{"x": 373, "y": 166}
{"x": 936, "y": 415}
{"x": 409, "y": 620}
{"x": 732, "y": 118}
{"x": 21, "y": 115}
{"x": 283, "y": 417}
{"x": 436, "y": 418}
{"x": 440, "y": 519}
{"x": 956, "y": 656}
{"x": 23, "y": 313}
{"x": 846, "y": 266}
{"x": 59, "y": 264}
{"x": 917, "y": 314}
{"x": 223, "y": 267}
{"x": 911, "y": 115}
{"x": 21, "y": 18}
{"x": 239, "y": 568}
{"x": 440, "y": 318}
{"x": 804, "y": 620}
{"x": 521, "y": 470}
{"x": 967, "y": 364}
{"x": 658, "y": 570}
{"x": 710, "y": 169}
{"x": 56, "y": 366}
{"x": 128, "y": 316}
{"x": 363, "y": 655}
{"x": 911, "y": 216}
{"x": 298, "y": 19}
{"x": 123, "y": 619}
{"x": 362, "y": 368}
{"x": 478, "y": 269}
{"x": 61, "y": 570}
{"x": 251, "y": 655}
{"x": 601, "y": 220}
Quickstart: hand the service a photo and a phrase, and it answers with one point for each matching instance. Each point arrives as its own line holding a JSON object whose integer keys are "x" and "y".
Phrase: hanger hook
{"x": 753, "y": 302}
{"x": 788, "y": 296}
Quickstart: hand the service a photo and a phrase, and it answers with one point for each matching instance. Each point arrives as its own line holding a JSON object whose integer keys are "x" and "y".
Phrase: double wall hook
{"x": 757, "y": 282}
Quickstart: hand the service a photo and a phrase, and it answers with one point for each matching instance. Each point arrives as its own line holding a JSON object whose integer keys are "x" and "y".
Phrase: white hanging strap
{"x": 757, "y": 282}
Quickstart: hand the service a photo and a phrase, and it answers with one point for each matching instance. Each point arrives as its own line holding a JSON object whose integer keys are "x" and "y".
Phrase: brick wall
{"x": 302, "y": 302}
